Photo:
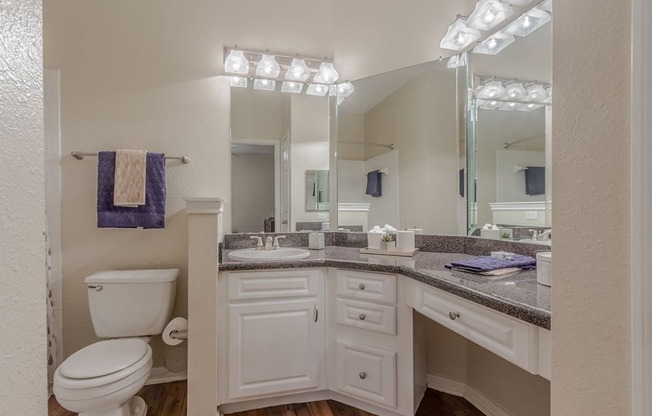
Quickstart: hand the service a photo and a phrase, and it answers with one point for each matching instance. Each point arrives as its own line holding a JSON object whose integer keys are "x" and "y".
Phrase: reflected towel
{"x": 150, "y": 215}
{"x": 374, "y": 183}
{"x": 129, "y": 186}
{"x": 535, "y": 180}
{"x": 481, "y": 264}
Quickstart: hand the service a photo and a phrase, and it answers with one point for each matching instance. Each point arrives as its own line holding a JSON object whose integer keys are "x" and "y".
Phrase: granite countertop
{"x": 516, "y": 294}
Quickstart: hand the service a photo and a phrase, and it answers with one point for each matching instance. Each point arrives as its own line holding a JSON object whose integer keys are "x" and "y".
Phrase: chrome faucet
{"x": 259, "y": 242}
{"x": 535, "y": 234}
{"x": 276, "y": 244}
{"x": 545, "y": 235}
{"x": 271, "y": 243}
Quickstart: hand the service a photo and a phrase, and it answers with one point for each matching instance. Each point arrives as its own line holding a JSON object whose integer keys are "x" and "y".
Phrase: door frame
{"x": 277, "y": 167}
{"x": 641, "y": 206}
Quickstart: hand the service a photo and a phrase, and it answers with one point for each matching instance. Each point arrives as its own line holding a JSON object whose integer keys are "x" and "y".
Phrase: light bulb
{"x": 459, "y": 36}
{"x": 236, "y": 63}
{"x": 268, "y": 67}
{"x": 292, "y": 87}
{"x": 264, "y": 84}
{"x": 298, "y": 71}
{"x": 488, "y": 14}
{"x": 345, "y": 89}
{"x": 317, "y": 89}
{"x": 494, "y": 44}
{"x": 326, "y": 74}
{"x": 240, "y": 82}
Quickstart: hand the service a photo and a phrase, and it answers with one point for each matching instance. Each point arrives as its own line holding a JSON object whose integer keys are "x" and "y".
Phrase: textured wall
{"x": 23, "y": 385}
{"x": 591, "y": 338}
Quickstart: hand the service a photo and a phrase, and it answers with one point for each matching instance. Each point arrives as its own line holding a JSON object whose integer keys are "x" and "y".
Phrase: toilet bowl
{"x": 103, "y": 378}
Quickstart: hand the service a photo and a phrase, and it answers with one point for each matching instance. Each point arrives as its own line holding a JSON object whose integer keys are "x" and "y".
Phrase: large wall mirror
{"x": 279, "y": 142}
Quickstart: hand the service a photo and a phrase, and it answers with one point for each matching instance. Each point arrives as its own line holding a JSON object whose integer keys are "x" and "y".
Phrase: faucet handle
{"x": 278, "y": 237}
{"x": 259, "y": 242}
{"x": 535, "y": 234}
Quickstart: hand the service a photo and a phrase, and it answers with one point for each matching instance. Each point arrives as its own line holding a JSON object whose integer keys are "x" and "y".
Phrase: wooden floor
{"x": 170, "y": 400}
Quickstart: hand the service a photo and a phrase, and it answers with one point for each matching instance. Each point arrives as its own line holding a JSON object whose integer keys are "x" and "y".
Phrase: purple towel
{"x": 486, "y": 263}
{"x": 150, "y": 215}
{"x": 375, "y": 183}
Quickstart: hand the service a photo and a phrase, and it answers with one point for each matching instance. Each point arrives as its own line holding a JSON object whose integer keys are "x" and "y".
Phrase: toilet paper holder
{"x": 175, "y": 334}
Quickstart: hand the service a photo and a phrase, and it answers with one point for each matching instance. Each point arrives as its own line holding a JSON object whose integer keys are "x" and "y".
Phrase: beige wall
{"x": 252, "y": 194}
{"x": 420, "y": 120}
{"x": 256, "y": 114}
{"x": 23, "y": 386}
{"x": 350, "y": 128}
{"x": 134, "y": 75}
{"x": 591, "y": 303}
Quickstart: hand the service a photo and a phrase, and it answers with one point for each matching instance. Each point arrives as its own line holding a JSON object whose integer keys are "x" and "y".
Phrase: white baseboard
{"x": 160, "y": 375}
{"x": 470, "y": 393}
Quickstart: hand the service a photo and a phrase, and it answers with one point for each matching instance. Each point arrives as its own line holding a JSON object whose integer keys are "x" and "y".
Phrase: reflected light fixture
{"x": 456, "y": 61}
{"x": 264, "y": 84}
{"x": 492, "y": 90}
{"x": 508, "y": 106}
{"x": 516, "y": 91}
{"x": 345, "y": 89}
{"x": 292, "y": 87}
{"x": 488, "y": 104}
{"x": 298, "y": 71}
{"x": 494, "y": 44}
{"x": 459, "y": 35}
{"x": 519, "y": 2}
{"x": 326, "y": 74}
{"x": 537, "y": 92}
{"x": 240, "y": 82}
{"x": 236, "y": 63}
{"x": 528, "y": 22}
{"x": 488, "y": 14}
{"x": 317, "y": 89}
{"x": 268, "y": 67}
{"x": 528, "y": 107}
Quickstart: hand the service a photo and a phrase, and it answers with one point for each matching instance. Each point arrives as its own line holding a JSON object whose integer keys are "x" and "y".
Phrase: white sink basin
{"x": 283, "y": 253}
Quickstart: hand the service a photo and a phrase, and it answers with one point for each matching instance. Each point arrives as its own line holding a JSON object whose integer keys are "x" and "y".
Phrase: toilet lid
{"x": 103, "y": 358}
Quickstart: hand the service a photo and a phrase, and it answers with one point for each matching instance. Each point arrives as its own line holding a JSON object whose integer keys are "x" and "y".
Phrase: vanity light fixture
{"x": 240, "y": 82}
{"x": 488, "y": 14}
{"x": 494, "y": 44}
{"x": 345, "y": 89}
{"x": 298, "y": 71}
{"x": 488, "y": 104}
{"x": 549, "y": 91}
{"x": 456, "y": 61}
{"x": 528, "y": 22}
{"x": 516, "y": 91}
{"x": 492, "y": 90}
{"x": 268, "y": 67}
{"x": 264, "y": 84}
{"x": 292, "y": 87}
{"x": 537, "y": 92}
{"x": 326, "y": 74}
{"x": 459, "y": 35}
{"x": 236, "y": 63}
{"x": 317, "y": 89}
{"x": 546, "y": 5}
{"x": 519, "y": 2}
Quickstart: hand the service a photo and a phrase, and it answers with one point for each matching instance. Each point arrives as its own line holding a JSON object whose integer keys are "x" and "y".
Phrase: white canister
{"x": 405, "y": 241}
{"x": 316, "y": 241}
{"x": 544, "y": 268}
{"x": 374, "y": 239}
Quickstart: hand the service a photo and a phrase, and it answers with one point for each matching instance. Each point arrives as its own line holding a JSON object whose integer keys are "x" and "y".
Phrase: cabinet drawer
{"x": 367, "y": 286}
{"x": 503, "y": 335}
{"x": 273, "y": 284}
{"x": 367, "y": 315}
{"x": 367, "y": 372}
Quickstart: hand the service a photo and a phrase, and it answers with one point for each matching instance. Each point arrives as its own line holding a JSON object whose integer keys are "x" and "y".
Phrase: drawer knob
{"x": 362, "y": 316}
{"x": 362, "y": 286}
{"x": 363, "y": 375}
{"x": 453, "y": 315}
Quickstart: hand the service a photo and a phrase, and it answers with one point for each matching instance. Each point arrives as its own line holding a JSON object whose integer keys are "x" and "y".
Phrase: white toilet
{"x": 127, "y": 306}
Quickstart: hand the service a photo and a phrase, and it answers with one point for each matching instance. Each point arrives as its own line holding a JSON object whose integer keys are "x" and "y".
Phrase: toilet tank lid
{"x": 140, "y": 276}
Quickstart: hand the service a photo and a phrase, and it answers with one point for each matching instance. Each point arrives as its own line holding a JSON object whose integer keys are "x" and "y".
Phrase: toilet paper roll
{"x": 405, "y": 241}
{"x": 177, "y": 324}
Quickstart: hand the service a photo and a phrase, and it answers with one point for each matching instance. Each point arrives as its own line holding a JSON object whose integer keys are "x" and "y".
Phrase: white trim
{"x": 160, "y": 375}
{"x": 353, "y": 206}
{"x": 277, "y": 167}
{"x": 470, "y": 393}
{"x": 519, "y": 206}
{"x": 641, "y": 204}
{"x": 205, "y": 205}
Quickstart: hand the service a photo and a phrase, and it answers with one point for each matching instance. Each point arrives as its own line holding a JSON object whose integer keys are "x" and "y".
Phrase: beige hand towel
{"x": 129, "y": 184}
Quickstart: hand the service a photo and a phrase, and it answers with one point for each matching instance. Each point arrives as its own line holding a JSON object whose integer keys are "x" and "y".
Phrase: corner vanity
{"x": 342, "y": 325}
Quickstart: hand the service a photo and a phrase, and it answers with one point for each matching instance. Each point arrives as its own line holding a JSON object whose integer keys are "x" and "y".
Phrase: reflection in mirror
{"x": 511, "y": 142}
{"x": 398, "y": 154}
{"x": 317, "y": 191}
{"x": 276, "y": 138}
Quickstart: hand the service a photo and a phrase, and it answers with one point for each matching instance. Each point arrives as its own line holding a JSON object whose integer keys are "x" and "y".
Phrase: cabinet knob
{"x": 453, "y": 315}
{"x": 362, "y": 286}
{"x": 362, "y": 316}
{"x": 363, "y": 375}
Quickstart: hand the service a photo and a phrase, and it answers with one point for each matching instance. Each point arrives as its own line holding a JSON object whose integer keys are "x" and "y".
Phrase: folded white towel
{"x": 130, "y": 178}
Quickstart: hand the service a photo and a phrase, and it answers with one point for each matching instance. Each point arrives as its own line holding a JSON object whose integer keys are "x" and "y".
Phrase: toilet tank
{"x": 130, "y": 303}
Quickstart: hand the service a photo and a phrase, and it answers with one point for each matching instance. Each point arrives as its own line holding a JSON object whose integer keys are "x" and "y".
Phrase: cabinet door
{"x": 275, "y": 346}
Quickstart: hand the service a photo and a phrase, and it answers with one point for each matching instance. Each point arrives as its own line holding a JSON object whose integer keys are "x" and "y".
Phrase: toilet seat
{"x": 104, "y": 363}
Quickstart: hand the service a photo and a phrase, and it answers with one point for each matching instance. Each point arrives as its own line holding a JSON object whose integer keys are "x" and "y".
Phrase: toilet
{"x": 128, "y": 307}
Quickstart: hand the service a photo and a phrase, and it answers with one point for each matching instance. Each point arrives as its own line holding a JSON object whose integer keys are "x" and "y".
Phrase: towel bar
{"x": 80, "y": 156}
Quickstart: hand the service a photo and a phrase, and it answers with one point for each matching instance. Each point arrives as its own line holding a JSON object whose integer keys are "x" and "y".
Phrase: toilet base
{"x": 136, "y": 406}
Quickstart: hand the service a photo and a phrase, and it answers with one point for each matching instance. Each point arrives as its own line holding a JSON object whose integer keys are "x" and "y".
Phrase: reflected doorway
{"x": 255, "y": 190}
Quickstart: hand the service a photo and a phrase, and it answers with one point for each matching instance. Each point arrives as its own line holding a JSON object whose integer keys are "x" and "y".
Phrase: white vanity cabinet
{"x": 370, "y": 343}
{"x": 270, "y": 332}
